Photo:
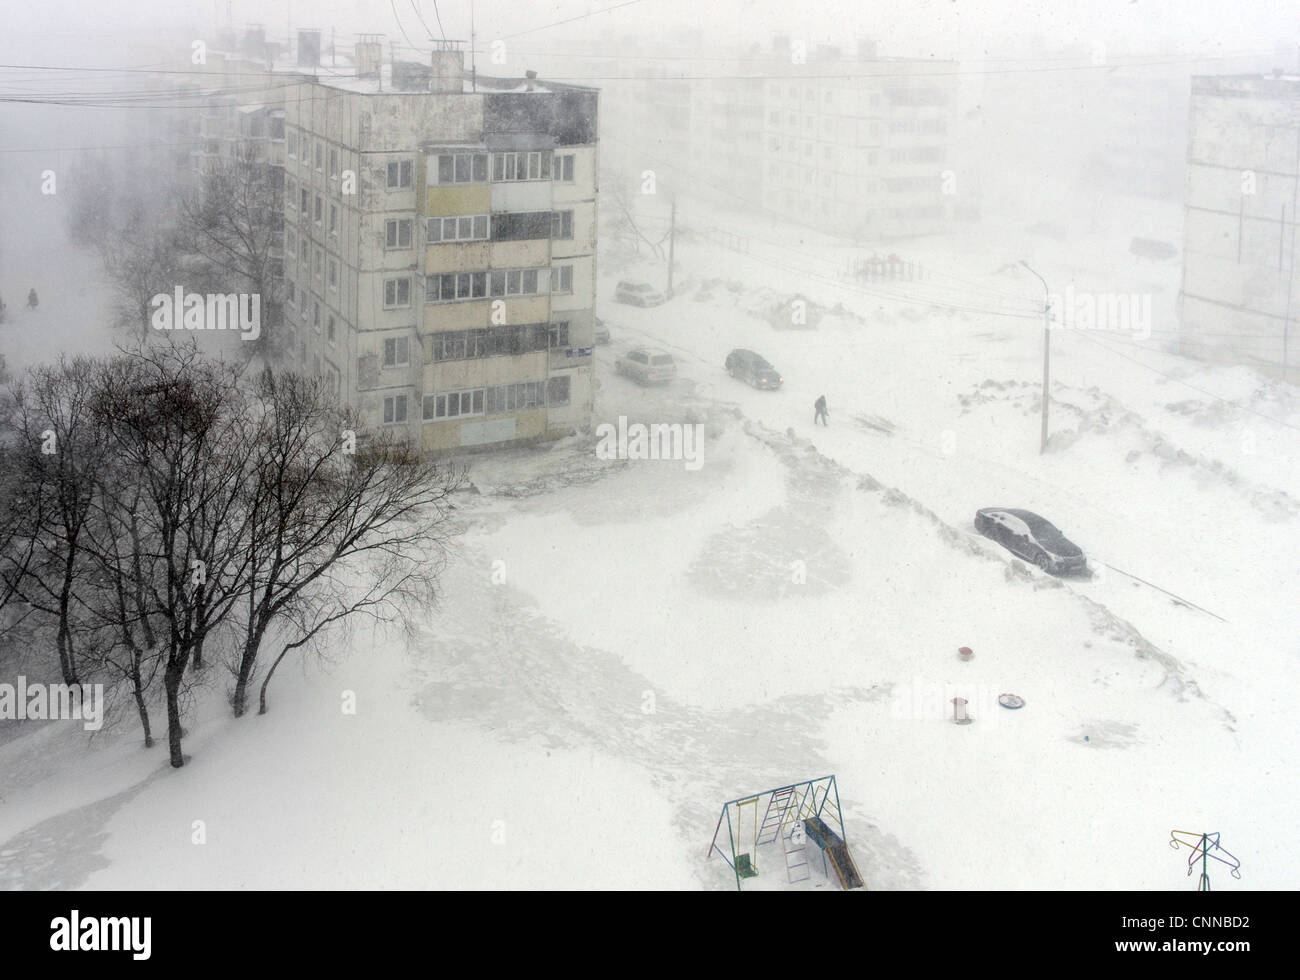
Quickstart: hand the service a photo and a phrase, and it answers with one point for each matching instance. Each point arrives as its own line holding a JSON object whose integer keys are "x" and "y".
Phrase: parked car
{"x": 639, "y": 294}
{"x": 1032, "y": 538}
{"x": 752, "y": 369}
{"x": 601, "y": 334}
{"x": 646, "y": 365}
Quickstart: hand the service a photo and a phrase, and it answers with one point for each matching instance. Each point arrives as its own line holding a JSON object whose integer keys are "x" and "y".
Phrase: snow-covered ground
{"x": 622, "y": 646}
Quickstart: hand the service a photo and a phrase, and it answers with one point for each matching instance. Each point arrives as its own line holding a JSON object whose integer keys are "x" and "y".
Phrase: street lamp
{"x": 1047, "y": 350}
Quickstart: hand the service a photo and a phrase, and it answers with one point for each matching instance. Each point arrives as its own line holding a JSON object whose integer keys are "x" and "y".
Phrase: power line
{"x": 570, "y": 20}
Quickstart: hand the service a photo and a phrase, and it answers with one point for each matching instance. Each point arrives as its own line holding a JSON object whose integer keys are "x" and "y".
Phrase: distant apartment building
{"x": 1240, "y": 292}
{"x": 439, "y": 234}
{"x": 863, "y": 146}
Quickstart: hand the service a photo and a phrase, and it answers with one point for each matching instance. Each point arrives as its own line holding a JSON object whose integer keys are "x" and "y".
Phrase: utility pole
{"x": 1047, "y": 352}
{"x": 473, "y": 61}
{"x": 672, "y": 237}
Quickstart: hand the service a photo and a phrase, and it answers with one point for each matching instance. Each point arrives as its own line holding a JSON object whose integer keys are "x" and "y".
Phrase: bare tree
{"x": 180, "y": 426}
{"x": 322, "y": 511}
{"x": 235, "y": 221}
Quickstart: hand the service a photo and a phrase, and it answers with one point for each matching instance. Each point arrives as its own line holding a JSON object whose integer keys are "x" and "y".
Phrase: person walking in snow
{"x": 31, "y": 300}
{"x": 820, "y": 408}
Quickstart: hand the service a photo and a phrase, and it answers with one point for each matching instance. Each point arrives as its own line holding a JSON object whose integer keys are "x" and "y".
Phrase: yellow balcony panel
{"x": 457, "y": 199}
{"x": 451, "y": 257}
{"x": 459, "y": 316}
{"x": 531, "y": 254}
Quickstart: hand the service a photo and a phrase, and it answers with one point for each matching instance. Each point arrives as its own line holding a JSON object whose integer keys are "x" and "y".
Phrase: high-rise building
{"x": 1240, "y": 294}
{"x": 439, "y": 234}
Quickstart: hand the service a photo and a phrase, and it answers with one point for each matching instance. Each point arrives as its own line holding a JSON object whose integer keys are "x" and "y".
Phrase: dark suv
{"x": 752, "y": 369}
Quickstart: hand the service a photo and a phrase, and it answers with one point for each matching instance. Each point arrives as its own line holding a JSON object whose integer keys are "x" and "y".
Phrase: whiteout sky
{"x": 939, "y": 28}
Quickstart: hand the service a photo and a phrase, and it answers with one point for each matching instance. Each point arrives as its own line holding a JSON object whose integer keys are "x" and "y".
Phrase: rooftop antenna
{"x": 473, "y": 70}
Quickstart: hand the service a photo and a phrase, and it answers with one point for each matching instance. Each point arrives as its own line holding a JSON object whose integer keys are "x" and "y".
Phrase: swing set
{"x": 1204, "y": 846}
{"x": 792, "y": 816}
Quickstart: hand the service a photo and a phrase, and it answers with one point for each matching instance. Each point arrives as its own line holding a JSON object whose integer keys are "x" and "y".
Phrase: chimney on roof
{"x": 368, "y": 55}
{"x": 448, "y": 67}
{"x": 309, "y": 49}
{"x": 530, "y": 78}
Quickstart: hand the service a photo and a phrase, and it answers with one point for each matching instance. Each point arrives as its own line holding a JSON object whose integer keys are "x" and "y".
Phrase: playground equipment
{"x": 1204, "y": 846}
{"x": 793, "y": 815}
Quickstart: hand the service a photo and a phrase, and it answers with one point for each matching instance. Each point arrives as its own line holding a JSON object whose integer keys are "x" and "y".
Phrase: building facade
{"x": 1239, "y": 294}
{"x": 439, "y": 235}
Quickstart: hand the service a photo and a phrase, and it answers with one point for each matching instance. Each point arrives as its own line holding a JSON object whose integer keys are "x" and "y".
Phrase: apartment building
{"x": 1240, "y": 293}
{"x": 439, "y": 235}
{"x": 861, "y": 145}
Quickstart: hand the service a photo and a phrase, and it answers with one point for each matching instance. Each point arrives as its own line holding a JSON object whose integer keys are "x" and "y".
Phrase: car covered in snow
{"x": 1032, "y": 538}
{"x": 752, "y": 369}
{"x": 639, "y": 294}
{"x": 601, "y": 333}
{"x": 647, "y": 365}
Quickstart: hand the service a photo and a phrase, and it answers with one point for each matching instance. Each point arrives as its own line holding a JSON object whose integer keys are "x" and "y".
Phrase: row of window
{"x": 469, "y": 167}
{"x": 459, "y": 345}
{"x": 456, "y": 286}
{"x": 506, "y": 226}
{"x": 314, "y": 152}
{"x": 482, "y": 401}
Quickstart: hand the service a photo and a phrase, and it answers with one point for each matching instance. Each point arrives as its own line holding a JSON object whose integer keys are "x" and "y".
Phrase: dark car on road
{"x": 752, "y": 369}
{"x": 1032, "y": 538}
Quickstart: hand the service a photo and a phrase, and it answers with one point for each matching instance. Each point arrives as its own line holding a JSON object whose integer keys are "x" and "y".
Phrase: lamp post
{"x": 1047, "y": 351}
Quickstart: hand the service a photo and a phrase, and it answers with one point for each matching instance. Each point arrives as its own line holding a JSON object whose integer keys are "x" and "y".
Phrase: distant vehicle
{"x": 601, "y": 335}
{"x": 752, "y": 369}
{"x": 1032, "y": 538}
{"x": 639, "y": 294}
{"x": 646, "y": 365}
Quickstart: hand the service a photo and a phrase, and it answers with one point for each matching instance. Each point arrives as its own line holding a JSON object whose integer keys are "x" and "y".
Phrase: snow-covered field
{"x": 623, "y": 646}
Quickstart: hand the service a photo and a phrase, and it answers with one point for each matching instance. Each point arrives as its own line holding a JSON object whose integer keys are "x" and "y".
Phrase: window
{"x": 394, "y": 409}
{"x": 334, "y": 274}
{"x": 319, "y": 151}
{"x": 515, "y": 282}
{"x": 455, "y": 286}
{"x": 453, "y": 404}
{"x": 557, "y": 390}
{"x": 517, "y": 226}
{"x": 334, "y": 219}
{"x": 315, "y": 315}
{"x": 397, "y": 292}
{"x": 291, "y": 145}
{"x": 510, "y": 398}
{"x": 562, "y": 279}
{"x": 465, "y": 228}
{"x": 304, "y": 201}
{"x": 559, "y": 335}
{"x": 397, "y": 233}
{"x": 462, "y": 168}
{"x": 528, "y": 165}
{"x": 291, "y": 197}
{"x": 564, "y": 167}
{"x": 562, "y": 224}
{"x": 329, "y": 331}
{"x": 302, "y": 251}
{"x": 399, "y": 174}
{"x": 291, "y": 292}
{"x": 334, "y": 162}
{"x": 396, "y": 352}
{"x": 319, "y": 263}
{"x": 319, "y": 213}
